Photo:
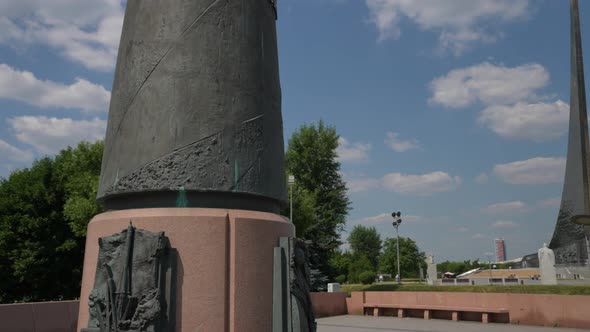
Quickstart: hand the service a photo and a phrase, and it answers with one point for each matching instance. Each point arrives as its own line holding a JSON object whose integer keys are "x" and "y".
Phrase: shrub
{"x": 367, "y": 277}
{"x": 341, "y": 279}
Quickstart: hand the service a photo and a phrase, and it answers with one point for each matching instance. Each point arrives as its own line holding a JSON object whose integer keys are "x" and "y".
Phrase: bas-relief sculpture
{"x": 547, "y": 266}
{"x": 132, "y": 287}
{"x": 568, "y": 239}
{"x": 292, "y": 308}
{"x": 196, "y": 104}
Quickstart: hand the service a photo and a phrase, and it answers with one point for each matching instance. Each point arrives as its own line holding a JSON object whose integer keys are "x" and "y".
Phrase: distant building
{"x": 500, "y": 250}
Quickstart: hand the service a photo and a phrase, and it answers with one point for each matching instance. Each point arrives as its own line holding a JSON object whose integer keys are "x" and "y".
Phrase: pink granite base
{"x": 225, "y": 263}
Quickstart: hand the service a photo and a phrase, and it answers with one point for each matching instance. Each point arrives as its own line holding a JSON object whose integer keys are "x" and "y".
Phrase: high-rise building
{"x": 500, "y": 250}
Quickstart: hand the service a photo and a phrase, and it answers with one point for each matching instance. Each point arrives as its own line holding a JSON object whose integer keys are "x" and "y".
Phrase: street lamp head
{"x": 399, "y": 214}
{"x": 399, "y": 221}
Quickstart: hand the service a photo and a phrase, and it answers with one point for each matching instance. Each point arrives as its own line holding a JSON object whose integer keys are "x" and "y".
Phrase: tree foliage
{"x": 411, "y": 258}
{"x": 340, "y": 262}
{"x": 43, "y": 210}
{"x": 359, "y": 265}
{"x": 367, "y": 277}
{"x": 365, "y": 241}
{"x": 320, "y": 201}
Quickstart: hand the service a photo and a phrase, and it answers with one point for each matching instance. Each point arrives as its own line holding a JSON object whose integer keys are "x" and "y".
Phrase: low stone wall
{"x": 527, "y": 309}
{"x": 329, "y": 304}
{"x": 39, "y": 317}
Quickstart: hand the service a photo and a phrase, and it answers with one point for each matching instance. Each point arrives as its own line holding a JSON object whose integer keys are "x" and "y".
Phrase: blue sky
{"x": 454, "y": 112}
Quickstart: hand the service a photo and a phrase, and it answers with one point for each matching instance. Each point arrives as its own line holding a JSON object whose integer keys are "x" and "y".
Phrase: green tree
{"x": 340, "y": 262}
{"x": 365, "y": 241}
{"x": 320, "y": 198}
{"x": 359, "y": 265}
{"x": 79, "y": 169}
{"x": 411, "y": 258}
{"x": 41, "y": 253}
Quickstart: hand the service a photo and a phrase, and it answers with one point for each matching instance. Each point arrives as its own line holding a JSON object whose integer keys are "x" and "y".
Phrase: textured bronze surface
{"x": 196, "y": 104}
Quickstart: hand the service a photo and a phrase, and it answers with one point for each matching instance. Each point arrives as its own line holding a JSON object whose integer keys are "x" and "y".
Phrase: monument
{"x": 194, "y": 156}
{"x": 569, "y": 241}
{"x": 431, "y": 272}
{"x": 547, "y": 266}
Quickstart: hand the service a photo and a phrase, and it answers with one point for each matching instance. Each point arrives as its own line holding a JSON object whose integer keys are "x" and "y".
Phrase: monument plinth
{"x": 194, "y": 150}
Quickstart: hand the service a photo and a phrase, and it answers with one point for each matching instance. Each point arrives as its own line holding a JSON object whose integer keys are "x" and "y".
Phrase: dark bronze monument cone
{"x": 196, "y": 104}
{"x": 569, "y": 239}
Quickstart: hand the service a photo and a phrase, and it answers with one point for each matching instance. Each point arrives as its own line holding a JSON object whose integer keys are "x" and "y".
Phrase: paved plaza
{"x": 389, "y": 324}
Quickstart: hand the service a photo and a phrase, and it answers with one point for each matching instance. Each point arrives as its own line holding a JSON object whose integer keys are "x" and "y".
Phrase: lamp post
{"x": 396, "y": 222}
{"x": 291, "y": 183}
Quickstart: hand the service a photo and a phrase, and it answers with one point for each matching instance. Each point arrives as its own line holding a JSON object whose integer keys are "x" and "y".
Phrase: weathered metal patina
{"x": 196, "y": 104}
{"x": 132, "y": 287}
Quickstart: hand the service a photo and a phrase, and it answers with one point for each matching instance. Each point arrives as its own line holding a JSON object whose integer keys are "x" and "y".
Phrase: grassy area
{"x": 533, "y": 289}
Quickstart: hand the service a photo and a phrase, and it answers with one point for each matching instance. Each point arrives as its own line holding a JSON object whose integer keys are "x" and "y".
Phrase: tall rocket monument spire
{"x": 568, "y": 238}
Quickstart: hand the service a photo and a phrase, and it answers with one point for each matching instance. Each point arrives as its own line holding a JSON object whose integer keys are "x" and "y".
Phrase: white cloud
{"x": 488, "y": 83}
{"x": 504, "y": 224}
{"x": 50, "y": 135}
{"x": 482, "y": 178}
{"x": 462, "y": 229}
{"x": 386, "y": 218}
{"x": 537, "y": 122}
{"x": 399, "y": 145}
{"x": 478, "y": 236}
{"x": 553, "y": 202}
{"x": 461, "y": 23}
{"x": 378, "y": 219}
{"x": 506, "y": 207}
{"x": 353, "y": 152}
{"x": 532, "y": 171}
{"x": 84, "y": 31}
{"x": 421, "y": 185}
{"x": 24, "y": 86}
{"x": 13, "y": 153}
{"x": 362, "y": 184}
{"x": 407, "y": 184}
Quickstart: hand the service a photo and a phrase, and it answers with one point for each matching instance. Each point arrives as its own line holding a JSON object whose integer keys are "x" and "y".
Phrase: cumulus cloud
{"x": 50, "y": 135}
{"x": 537, "y": 122}
{"x": 84, "y": 31}
{"x": 503, "y": 224}
{"x": 553, "y": 202}
{"x": 400, "y": 145}
{"x": 461, "y": 23}
{"x": 505, "y": 207}
{"x": 353, "y": 152}
{"x": 362, "y": 184}
{"x": 489, "y": 84}
{"x": 386, "y": 218}
{"x": 378, "y": 219}
{"x": 421, "y": 185}
{"x": 532, "y": 171}
{"x": 408, "y": 184}
{"x": 24, "y": 86}
{"x": 13, "y": 153}
{"x": 512, "y": 103}
{"x": 482, "y": 178}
